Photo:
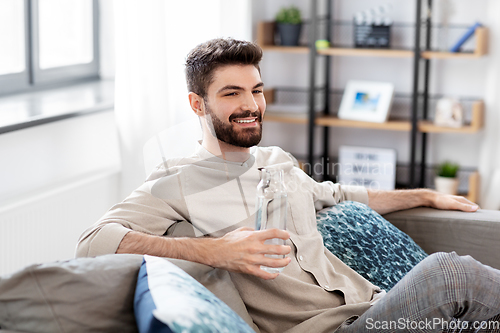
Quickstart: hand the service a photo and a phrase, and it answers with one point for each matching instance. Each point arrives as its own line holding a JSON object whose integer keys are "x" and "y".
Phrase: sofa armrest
{"x": 476, "y": 234}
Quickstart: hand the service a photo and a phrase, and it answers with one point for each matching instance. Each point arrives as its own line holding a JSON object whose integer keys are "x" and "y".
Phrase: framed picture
{"x": 366, "y": 101}
{"x": 373, "y": 168}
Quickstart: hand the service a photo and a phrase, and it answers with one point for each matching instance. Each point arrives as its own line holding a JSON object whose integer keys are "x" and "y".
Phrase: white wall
{"x": 460, "y": 78}
{"x": 56, "y": 180}
{"x": 44, "y": 156}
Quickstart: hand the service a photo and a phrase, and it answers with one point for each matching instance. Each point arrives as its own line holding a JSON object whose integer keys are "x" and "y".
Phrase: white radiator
{"x": 46, "y": 226}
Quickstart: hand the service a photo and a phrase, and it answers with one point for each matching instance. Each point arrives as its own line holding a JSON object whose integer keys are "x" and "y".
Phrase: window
{"x": 47, "y": 42}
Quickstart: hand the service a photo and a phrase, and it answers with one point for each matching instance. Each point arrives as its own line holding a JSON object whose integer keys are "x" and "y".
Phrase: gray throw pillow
{"x": 78, "y": 295}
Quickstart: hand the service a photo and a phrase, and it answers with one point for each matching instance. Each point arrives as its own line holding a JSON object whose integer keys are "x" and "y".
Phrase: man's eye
{"x": 230, "y": 94}
{"x": 257, "y": 91}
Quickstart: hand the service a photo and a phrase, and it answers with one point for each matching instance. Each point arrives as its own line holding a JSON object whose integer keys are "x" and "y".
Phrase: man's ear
{"x": 196, "y": 102}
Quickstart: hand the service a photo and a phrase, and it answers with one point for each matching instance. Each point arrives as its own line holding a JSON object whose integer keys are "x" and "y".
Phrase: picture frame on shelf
{"x": 373, "y": 168}
{"x": 367, "y": 101}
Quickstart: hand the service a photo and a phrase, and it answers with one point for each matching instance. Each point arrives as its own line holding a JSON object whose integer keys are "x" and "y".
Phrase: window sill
{"x": 32, "y": 109}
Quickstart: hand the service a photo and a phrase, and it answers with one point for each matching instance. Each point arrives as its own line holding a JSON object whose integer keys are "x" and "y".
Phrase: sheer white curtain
{"x": 489, "y": 165}
{"x": 152, "y": 40}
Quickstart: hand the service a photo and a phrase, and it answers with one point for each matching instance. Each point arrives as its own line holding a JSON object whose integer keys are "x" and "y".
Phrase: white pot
{"x": 446, "y": 185}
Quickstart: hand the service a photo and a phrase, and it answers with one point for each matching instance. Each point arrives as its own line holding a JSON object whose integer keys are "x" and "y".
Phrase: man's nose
{"x": 249, "y": 103}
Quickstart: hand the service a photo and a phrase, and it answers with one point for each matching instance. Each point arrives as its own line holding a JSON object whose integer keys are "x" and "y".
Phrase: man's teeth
{"x": 245, "y": 121}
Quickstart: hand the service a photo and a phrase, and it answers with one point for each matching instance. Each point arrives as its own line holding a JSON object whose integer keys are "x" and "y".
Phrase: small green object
{"x": 447, "y": 169}
{"x": 289, "y": 15}
{"x": 322, "y": 44}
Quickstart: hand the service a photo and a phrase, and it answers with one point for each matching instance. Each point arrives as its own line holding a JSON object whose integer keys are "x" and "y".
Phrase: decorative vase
{"x": 446, "y": 185}
{"x": 289, "y": 33}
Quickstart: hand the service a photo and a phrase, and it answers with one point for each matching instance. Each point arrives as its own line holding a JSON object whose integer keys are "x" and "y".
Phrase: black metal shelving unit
{"x": 413, "y": 181}
{"x": 417, "y": 124}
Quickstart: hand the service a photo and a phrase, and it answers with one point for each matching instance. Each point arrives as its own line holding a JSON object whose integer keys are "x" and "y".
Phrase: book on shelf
{"x": 465, "y": 37}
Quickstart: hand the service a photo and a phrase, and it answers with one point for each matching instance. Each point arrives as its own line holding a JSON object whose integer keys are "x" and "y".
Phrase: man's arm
{"x": 389, "y": 201}
{"x": 241, "y": 250}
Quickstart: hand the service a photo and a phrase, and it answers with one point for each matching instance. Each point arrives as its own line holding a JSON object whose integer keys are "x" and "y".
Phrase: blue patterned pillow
{"x": 168, "y": 300}
{"x": 368, "y": 243}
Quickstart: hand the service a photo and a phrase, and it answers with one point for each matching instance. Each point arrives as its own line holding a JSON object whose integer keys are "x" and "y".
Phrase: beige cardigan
{"x": 316, "y": 292}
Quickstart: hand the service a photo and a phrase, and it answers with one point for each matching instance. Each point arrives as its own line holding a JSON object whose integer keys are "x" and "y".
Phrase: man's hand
{"x": 243, "y": 251}
{"x": 385, "y": 202}
{"x": 452, "y": 202}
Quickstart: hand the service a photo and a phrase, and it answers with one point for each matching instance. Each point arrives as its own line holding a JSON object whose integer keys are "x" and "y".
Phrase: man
{"x": 214, "y": 190}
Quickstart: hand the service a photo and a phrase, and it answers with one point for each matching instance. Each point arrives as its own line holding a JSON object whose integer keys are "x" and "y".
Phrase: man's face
{"x": 235, "y": 105}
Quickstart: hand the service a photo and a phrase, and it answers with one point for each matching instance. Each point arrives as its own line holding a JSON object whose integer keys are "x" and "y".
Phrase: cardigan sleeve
{"x": 327, "y": 193}
{"x": 141, "y": 211}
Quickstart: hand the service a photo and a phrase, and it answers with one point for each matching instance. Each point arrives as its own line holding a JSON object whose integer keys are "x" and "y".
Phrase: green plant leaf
{"x": 289, "y": 15}
{"x": 447, "y": 169}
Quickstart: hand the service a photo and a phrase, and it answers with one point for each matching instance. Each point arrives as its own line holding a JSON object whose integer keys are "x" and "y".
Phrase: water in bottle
{"x": 271, "y": 208}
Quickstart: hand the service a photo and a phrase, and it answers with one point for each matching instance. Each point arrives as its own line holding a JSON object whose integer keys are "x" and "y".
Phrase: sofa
{"x": 474, "y": 234}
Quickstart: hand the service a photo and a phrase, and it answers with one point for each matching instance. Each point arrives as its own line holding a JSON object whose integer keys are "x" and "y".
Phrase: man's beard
{"x": 244, "y": 137}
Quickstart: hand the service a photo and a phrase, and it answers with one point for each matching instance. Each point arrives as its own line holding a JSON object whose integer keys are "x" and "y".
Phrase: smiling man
{"x": 231, "y": 113}
{"x": 212, "y": 193}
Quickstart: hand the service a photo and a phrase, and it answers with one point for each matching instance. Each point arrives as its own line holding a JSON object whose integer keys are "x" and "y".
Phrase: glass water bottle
{"x": 271, "y": 208}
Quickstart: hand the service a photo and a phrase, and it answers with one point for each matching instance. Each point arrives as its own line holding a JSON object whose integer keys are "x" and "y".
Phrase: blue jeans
{"x": 443, "y": 293}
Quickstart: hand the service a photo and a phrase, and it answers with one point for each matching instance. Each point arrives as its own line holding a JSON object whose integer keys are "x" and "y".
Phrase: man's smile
{"x": 247, "y": 122}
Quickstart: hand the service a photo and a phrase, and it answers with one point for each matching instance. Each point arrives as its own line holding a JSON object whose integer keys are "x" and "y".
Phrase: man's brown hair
{"x": 205, "y": 58}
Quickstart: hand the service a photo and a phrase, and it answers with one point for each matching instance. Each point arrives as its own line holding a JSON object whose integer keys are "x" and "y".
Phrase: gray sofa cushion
{"x": 79, "y": 295}
{"x": 92, "y": 294}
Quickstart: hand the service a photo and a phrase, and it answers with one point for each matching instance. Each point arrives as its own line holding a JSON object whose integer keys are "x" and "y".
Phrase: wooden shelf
{"x": 265, "y": 34}
{"x": 388, "y": 125}
{"x": 288, "y": 49}
{"x": 284, "y": 117}
{"x": 476, "y": 124}
{"x": 473, "y": 194}
{"x": 424, "y": 126}
{"x": 481, "y": 49}
{"x": 330, "y": 121}
{"x": 337, "y": 51}
{"x": 265, "y": 38}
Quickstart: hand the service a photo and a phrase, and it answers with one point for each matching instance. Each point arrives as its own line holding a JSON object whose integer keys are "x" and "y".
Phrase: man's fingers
{"x": 470, "y": 207}
{"x": 466, "y": 204}
{"x": 275, "y": 263}
{"x": 463, "y": 199}
{"x": 276, "y": 249}
{"x": 269, "y": 262}
{"x": 273, "y": 233}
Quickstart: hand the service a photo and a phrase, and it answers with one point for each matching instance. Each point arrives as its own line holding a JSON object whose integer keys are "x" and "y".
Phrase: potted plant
{"x": 446, "y": 180}
{"x": 289, "y": 23}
